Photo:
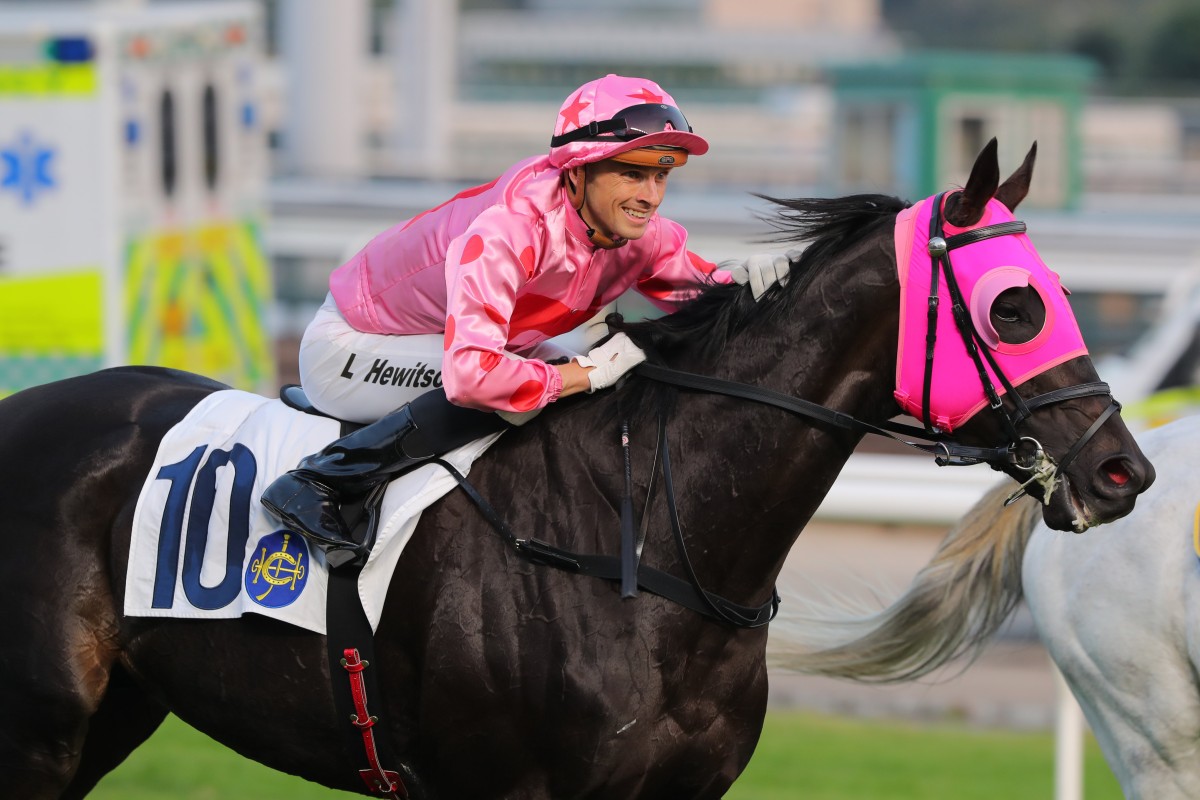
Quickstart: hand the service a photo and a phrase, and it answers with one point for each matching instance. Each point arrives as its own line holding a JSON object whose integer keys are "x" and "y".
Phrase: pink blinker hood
{"x": 984, "y": 269}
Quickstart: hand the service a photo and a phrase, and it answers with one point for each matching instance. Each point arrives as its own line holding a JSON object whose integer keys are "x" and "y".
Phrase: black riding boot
{"x": 309, "y": 498}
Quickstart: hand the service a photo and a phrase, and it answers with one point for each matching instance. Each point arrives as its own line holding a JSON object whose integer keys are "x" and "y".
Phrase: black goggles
{"x": 628, "y": 124}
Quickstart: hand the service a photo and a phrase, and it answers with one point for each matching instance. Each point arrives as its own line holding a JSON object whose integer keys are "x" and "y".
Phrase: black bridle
{"x": 1026, "y": 453}
{"x": 1022, "y": 452}
{"x": 945, "y": 450}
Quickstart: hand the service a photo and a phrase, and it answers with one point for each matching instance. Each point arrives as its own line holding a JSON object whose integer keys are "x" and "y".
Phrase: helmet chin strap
{"x": 575, "y": 195}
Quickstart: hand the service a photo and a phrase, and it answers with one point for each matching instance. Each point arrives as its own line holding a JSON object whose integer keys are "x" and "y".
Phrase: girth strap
{"x": 348, "y": 631}
{"x": 350, "y": 649}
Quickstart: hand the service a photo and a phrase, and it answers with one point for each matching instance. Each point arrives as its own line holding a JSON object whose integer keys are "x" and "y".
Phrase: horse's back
{"x": 1119, "y": 610}
{"x": 149, "y": 397}
{"x": 95, "y": 430}
{"x": 73, "y": 452}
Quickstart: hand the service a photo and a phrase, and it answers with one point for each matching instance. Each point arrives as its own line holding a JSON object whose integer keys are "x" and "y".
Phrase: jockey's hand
{"x": 610, "y": 360}
{"x": 761, "y": 271}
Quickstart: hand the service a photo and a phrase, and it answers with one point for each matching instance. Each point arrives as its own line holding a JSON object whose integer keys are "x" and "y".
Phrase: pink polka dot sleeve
{"x": 485, "y": 268}
{"x": 676, "y": 275}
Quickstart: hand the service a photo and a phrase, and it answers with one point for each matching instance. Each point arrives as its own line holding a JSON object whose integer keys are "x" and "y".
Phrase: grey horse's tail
{"x": 955, "y": 603}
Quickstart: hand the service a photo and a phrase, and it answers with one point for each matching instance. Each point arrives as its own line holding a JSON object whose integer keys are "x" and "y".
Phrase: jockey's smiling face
{"x": 621, "y": 198}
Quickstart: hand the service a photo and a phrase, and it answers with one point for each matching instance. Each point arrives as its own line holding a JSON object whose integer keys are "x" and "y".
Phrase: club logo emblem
{"x": 277, "y": 575}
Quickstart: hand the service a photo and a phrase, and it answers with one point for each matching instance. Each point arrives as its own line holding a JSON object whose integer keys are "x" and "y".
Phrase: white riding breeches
{"x": 359, "y": 376}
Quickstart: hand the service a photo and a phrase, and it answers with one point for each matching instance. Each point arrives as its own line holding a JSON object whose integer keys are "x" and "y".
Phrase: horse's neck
{"x": 765, "y": 470}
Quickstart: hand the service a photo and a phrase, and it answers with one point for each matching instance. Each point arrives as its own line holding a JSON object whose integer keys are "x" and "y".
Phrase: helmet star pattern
{"x": 570, "y": 113}
{"x": 599, "y": 101}
{"x": 647, "y": 96}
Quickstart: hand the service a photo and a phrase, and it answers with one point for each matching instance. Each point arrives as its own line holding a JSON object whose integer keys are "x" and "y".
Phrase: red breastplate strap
{"x": 384, "y": 782}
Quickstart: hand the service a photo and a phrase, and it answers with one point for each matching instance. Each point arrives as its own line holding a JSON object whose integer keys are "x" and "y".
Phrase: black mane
{"x": 722, "y": 310}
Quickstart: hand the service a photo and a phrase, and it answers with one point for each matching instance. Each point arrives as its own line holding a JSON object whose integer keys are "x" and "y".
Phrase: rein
{"x": 1022, "y": 452}
{"x": 689, "y": 594}
{"x": 946, "y": 451}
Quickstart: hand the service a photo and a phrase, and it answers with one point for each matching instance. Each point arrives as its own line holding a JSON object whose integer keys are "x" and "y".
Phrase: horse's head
{"x": 1005, "y": 378}
{"x": 1007, "y": 362}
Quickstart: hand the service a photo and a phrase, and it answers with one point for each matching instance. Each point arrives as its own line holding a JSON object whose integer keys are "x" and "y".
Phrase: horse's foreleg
{"x": 56, "y": 658}
{"x": 125, "y": 719}
{"x": 47, "y": 697}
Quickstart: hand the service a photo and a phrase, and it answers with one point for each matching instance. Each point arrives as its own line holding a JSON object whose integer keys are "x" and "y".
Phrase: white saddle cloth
{"x": 203, "y": 546}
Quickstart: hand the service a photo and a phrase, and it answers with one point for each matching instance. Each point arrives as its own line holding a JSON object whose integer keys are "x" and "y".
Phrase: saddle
{"x": 293, "y": 396}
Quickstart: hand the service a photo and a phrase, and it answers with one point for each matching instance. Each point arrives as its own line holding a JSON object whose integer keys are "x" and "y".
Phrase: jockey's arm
{"x": 574, "y": 378}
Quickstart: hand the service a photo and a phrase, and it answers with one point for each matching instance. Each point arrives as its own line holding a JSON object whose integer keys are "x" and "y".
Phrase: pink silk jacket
{"x": 502, "y": 267}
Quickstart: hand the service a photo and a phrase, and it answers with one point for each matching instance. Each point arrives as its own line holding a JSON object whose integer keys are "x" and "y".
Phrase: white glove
{"x": 611, "y": 360}
{"x": 519, "y": 418}
{"x": 761, "y": 271}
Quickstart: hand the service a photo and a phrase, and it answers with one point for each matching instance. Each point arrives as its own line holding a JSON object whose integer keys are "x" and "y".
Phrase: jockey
{"x": 436, "y": 332}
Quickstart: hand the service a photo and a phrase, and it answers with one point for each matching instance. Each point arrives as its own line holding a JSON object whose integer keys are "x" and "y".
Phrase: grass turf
{"x": 800, "y": 756}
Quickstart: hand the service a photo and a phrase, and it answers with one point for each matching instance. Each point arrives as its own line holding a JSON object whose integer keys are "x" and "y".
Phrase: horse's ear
{"x": 1013, "y": 190}
{"x": 985, "y": 177}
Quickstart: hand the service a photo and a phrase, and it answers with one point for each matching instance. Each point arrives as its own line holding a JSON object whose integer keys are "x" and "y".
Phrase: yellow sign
{"x": 40, "y": 80}
{"x": 1164, "y": 406}
{"x": 51, "y": 327}
{"x": 52, "y": 315}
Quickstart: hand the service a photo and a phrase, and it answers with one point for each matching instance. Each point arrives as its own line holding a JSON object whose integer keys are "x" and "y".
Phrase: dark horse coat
{"x": 501, "y": 679}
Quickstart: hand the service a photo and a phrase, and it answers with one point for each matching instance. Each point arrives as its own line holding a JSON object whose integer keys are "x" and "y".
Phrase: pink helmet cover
{"x": 984, "y": 269}
{"x": 600, "y": 100}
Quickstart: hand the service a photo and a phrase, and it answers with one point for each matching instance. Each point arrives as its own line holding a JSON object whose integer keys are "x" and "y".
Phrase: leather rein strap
{"x": 627, "y": 569}
{"x": 945, "y": 451}
{"x": 689, "y": 594}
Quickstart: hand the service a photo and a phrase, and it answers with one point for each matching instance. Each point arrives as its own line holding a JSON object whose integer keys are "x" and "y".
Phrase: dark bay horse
{"x": 504, "y": 679}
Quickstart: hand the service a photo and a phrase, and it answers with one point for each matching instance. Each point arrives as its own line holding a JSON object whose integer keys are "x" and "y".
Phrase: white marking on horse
{"x": 627, "y": 726}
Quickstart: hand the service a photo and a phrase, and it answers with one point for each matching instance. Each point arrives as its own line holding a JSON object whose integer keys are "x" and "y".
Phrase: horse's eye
{"x": 1005, "y": 312}
{"x": 1017, "y": 315}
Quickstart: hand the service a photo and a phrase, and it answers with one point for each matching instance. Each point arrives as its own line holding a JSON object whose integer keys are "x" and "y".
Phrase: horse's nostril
{"x": 1117, "y": 471}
